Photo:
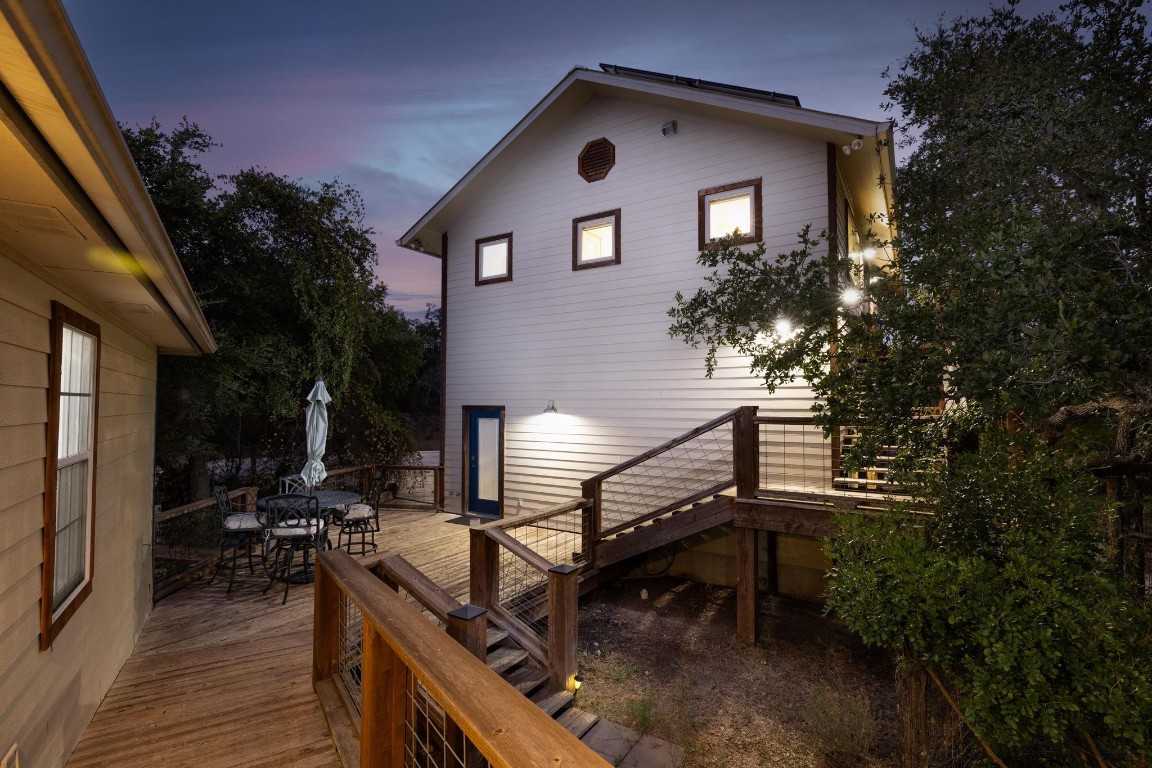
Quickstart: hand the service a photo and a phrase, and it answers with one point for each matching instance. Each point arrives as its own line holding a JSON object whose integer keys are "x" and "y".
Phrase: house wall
{"x": 47, "y": 698}
{"x": 596, "y": 341}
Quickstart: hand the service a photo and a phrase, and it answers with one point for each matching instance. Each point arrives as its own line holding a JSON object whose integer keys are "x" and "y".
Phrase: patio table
{"x": 329, "y": 500}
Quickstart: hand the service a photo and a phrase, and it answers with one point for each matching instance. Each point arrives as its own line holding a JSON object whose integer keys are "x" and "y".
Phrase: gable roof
{"x": 72, "y": 203}
{"x": 861, "y": 169}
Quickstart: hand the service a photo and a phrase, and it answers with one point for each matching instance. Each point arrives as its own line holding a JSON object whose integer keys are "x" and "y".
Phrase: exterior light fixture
{"x": 577, "y": 681}
{"x": 857, "y": 144}
{"x": 669, "y": 128}
{"x": 850, "y": 297}
{"x": 551, "y": 407}
{"x": 869, "y": 254}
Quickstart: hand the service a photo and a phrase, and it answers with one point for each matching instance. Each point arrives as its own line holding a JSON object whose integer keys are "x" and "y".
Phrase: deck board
{"x": 225, "y": 680}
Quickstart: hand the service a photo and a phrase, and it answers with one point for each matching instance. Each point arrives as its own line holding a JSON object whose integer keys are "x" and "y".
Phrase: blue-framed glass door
{"x": 484, "y": 457}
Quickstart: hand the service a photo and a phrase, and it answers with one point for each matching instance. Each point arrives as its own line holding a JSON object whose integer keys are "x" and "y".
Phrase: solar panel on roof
{"x": 704, "y": 85}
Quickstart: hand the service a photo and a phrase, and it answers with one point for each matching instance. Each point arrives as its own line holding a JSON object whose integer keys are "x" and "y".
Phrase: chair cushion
{"x": 359, "y": 512}
{"x": 297, "y": 528}
{"x": 245, "y": 521}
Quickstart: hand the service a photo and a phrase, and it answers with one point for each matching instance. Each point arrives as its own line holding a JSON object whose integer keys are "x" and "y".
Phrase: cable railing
{"x": 424, "y": 700}
{"x": 693, "y": 466}
{"x": 526, "y": 572}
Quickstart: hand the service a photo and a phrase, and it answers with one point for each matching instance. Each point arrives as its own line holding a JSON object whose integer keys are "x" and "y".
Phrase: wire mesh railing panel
{"x": 350, "y": 646}
{"x": 524, "y": 593}
{"x": 558, "y": 539}
{"x": 689, "y": 468}
{"x": 431, "y": 738}
{"x": 185, "y": 542}
{"x": 794, "y": 457}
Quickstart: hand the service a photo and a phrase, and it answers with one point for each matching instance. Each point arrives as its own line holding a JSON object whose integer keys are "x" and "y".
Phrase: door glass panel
{"x": 488, "y": 455}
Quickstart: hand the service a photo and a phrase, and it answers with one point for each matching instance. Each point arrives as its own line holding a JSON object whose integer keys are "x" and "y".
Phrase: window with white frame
{"x": 596, "y": 240}
{"x": 494, "y": 259}
{"x": 71, "y": 468}
{"x": 728, "y": 208}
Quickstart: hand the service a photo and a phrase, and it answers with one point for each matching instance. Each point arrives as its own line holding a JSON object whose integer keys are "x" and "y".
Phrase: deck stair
{"x": 871, "y": 478}
{"x": 682, "y": 523}
{"x": 526, "y": 675}
{"x": 877, "y": 477}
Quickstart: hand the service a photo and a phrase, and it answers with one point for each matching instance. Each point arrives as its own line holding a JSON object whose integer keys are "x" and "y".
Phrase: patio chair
{"x": 238, "y": 529}
{"x": 362, "y": 520}
{"x": 294, "y": 524}
{"x": 292, "y": 484}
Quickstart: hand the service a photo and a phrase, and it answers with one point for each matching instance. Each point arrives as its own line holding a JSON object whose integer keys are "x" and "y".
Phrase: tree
{"x": 1016, "y": 292}
{"x": 283, "y": 271}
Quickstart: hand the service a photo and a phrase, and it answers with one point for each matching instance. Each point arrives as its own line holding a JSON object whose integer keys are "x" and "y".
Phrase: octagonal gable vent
{"x": 596, "y": 159}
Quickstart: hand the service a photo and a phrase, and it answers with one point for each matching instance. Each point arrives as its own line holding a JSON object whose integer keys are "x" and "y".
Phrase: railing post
{"x": 382, "y": 703}
{"x": 468, "y": 625}
{"x": 484, "y": 569}
{"x": 746, "y": 452}
{"x": 563, "y": 604}
{"x": 326, "y": 619}
{"x": 366, "y": 480}
{"x": 590, "y": 516}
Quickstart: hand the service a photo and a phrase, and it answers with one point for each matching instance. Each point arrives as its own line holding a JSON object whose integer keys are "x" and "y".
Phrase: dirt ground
{"x": 669, "y": 664}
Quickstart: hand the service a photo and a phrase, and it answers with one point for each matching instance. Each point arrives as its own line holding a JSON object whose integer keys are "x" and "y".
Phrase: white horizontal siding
{"x": 596, "y": 341}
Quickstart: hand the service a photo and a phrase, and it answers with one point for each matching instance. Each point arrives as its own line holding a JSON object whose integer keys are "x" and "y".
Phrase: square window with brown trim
{"x": 728, "y": 208}
{"x": 70, "y": 477}
{"x": 596, "y": 240}
{"x": 494, "y": 259}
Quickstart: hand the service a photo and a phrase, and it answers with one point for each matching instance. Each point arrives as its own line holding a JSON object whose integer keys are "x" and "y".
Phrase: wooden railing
{"x": 700, "y": 463}
{"x": 190, "y": 533}
{"x": 361, "y": 479}
{"x": 401, "y": 471}
{"x": 425, "y": 700}
{"x": 466, "y": 624}
{"x": 526, "y": 572}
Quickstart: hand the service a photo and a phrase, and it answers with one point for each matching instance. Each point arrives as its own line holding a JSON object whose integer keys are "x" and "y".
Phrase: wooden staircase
{"x": 689, "y": 520}
{"x": 522, "y": 672}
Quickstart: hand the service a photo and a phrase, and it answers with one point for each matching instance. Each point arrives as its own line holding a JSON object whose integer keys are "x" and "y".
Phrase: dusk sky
{"x": 400, "y": 100}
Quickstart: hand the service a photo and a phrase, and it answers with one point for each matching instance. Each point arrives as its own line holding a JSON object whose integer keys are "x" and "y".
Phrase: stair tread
{"x": 552, "y": 700}
{"x": 577, "y": 721}
{"x": 504, "y": 658}
{"x": 495, "y": 635}
{"x": 526, "y": 679}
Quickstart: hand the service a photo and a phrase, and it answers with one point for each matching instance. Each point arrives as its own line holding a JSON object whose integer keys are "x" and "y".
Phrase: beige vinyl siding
{"x": 47, "y": 698}
{"x": 596, "y": 341}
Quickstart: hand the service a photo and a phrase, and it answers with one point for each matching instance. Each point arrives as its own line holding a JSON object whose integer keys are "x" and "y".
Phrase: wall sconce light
{"x": 669, "y": 128}
{"x": 551, "y": 407}
{"x": 855, "y": 145}
{"x": 851, "y": 297}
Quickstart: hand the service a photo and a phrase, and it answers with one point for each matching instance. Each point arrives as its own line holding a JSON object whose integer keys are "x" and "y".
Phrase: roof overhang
{"x": 72, "y": 203}
{"x": 868, "y": 171}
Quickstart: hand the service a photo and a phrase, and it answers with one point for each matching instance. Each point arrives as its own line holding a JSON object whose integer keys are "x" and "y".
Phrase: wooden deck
{"x": 225, "y": 680}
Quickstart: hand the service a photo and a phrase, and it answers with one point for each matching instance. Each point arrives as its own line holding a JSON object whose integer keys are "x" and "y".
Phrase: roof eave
{"x": 786, "y": 113}
{"x": 58, "y": 91}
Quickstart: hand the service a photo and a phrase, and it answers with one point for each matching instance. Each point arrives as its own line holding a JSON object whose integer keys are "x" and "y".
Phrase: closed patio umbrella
{"x": 316, "y": 428}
